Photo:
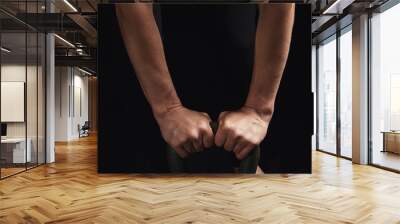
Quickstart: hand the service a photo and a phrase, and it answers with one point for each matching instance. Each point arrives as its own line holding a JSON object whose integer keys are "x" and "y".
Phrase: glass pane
{"x": 14, "y": 153}
{"x": 31, "y": 86}
{"x": 31, "y": 100}
{"x": 314, "y": 89}
{"x": 346, "y": 94}
{"x": 327, "y": 97}
{"x": 41, "y": 98}
{"x": 385, "y": 114}
{"x": 23, "y": 88}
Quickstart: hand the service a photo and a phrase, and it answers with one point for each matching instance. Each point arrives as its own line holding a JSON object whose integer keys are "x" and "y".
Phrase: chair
{"x": 84, "y": 130}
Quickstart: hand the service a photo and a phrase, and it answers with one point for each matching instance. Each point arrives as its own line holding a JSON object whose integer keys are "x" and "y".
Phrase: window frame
{"x": 334, "y": 37}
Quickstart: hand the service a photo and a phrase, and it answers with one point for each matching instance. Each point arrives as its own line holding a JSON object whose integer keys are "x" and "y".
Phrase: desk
{"x": 13, "y": 150}
{"x": 391, "y": 141}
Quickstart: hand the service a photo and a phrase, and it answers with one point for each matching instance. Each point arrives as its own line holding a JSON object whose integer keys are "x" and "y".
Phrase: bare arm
{"x": 274, "y": 34}
{"x": 241, "y": 130}
{"x": 143, "y": 43}
{"x": 185, "y": 130}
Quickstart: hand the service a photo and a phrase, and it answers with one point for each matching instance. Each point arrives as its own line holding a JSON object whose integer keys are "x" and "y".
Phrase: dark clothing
{"x": 210, "y": 53}
{"x": 210, "y": 50}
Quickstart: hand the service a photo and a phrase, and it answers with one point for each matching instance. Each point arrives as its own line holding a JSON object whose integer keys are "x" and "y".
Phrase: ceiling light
{"x": 84, "y": 71}
{"x": 329, "y": 9}
{"x": 5, "y": 50}
{"x": 70, "y": 5}
{"x": 65, "y": 41}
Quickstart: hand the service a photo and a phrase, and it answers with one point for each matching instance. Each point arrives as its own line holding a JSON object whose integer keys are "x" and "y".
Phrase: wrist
{"x": 265, "y": 113}
{"x": 164, "y": 101}
{"x": 161, "y": 110}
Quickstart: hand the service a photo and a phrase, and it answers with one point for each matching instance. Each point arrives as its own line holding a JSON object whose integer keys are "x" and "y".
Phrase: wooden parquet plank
{"x": 71, "y": 191}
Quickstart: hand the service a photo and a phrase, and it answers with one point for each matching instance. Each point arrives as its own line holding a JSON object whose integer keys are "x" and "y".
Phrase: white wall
{"x": 62, "y": 81}
{"x": 71, "y": 102}
{"x": 17, "y": 73}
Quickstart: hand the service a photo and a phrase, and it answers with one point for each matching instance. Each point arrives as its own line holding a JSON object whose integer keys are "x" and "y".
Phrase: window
{"x": 22, "y": 102}
{"x": 346, "y": 93}
{"x": 385, "y": 88}
{"x": 327, "y": 96}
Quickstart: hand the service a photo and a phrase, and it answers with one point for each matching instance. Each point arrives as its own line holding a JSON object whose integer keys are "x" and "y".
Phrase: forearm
{"x": 144, "y": 46}
{"x": 273, "y": 37}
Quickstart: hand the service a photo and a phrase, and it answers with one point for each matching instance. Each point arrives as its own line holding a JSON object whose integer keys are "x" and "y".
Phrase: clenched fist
{"x": 187, "y": 131}
{"x": 240, "y": 131}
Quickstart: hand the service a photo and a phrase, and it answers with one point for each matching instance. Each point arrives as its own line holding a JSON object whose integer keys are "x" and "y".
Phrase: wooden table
{"x": 391, "y": 141}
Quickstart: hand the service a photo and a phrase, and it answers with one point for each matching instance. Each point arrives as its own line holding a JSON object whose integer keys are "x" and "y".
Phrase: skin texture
{"x": 185, "y": 130}
{"x": 189, "y": 131}
{"x": 239, "y": 131}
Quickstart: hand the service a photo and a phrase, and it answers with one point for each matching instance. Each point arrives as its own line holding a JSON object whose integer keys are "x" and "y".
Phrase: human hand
{"x": 240, "y": 131}
{"x": 185, "y": 130}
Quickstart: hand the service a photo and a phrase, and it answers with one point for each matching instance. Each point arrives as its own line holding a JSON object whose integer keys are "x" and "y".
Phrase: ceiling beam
{"x": 337, "y": 7}
{"x": 86, "y": 27}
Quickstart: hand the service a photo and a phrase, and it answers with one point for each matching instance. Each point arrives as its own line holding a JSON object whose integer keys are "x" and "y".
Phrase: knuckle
{"x": 223, "y": 122}
{"x": 246, "y": 138}
{"x": 227, "y": 124}
{"x": 236, "y": 133}
{"x": 226, "y": 128}
{"x": 253, "y": 142}
{"x": 183, "y": 140}
{"x": 203, "y": 128}
{"x": 193, "y": 135}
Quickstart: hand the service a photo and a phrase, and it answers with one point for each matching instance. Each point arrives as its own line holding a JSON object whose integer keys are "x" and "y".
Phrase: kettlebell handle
{"x": 247, "y": 165}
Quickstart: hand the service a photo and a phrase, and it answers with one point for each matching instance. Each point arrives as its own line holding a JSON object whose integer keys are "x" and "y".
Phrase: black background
{"x": 129, "y": 139}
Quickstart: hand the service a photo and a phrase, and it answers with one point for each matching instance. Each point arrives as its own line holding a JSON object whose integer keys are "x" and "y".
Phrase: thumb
{"x": 206, "y": 115}
{"x": 222, "y": 115}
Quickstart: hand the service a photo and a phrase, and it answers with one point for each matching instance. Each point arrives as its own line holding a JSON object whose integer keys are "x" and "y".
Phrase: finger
{"x": 205, "y": 114}
{"x": 181, "y": 152}
{"x": 230, "y": 142}
{"x": 188, "y": 146}
{"x": 198, "y": 144}
{"x": 244, "y": 152}
{"x": 220, "y": 137}
{"x": 208, "y": 137}
{"x": 239, "y": 146}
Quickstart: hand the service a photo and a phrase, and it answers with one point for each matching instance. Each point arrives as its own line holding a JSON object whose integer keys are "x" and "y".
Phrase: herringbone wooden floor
{"x": 70, "y": 191}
